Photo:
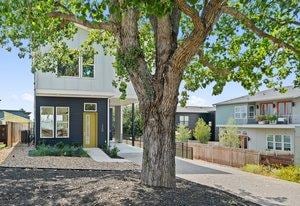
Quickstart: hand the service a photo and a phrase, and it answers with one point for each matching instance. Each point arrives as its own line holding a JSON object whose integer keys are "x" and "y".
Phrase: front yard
{"x": 84, "y": 187}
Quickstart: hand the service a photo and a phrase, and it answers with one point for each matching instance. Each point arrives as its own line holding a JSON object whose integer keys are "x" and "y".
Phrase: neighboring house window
{"x": 184, "y": 120}
{"x": 240, "y": 112}
{"x": 266, "y": 109}
{"x": 70, "y": 66}
{"x": 90, "y": 107}
{"x": 279, "y": 142}
{"x": 251, "y": 111}
{"x": 62, "y": 122}
{"x": 47, "y": 122}
{"x": 284, "y": 108}
{"x": 88, "y": 66}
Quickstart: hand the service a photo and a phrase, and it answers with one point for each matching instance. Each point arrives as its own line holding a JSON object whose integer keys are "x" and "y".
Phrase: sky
{"x": 16, "y": 85}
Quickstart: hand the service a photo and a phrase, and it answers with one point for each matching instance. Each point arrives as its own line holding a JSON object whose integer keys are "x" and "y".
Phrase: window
{"x": 184, "y": 120}
{"x": 284, "y": 108}
{"x": 251, "y": 111}
{"x": 47, "y": 122}
{"x": 69, "y": 66}
{"x": 62, "y": 122}
{"x": 240, "y": 112}
{"x": 90, "y": 107}
{"x": 88, "y": 66}
{"x": 266, "y": 109}
{"x": 279, "y": 142}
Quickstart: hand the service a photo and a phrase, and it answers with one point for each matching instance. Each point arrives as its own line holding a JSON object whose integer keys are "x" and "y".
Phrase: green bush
{"x": 202, "y": 131}
{"x": 182, "y": 133}
{"x": 290, "y": 173}
{"x": 228, "y": 136}
{"x": 2, "y": 146}
{"x": 113, "y": 153}
{"x": 59, "y": 149}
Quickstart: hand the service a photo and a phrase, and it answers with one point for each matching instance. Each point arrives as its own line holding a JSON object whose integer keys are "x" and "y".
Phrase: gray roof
{"x": 194, "y": 109}
{"x": 266, "y": 95}
{"x": 20, "y": 113}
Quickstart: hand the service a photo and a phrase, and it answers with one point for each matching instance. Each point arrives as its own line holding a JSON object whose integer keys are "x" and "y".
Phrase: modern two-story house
{"x": 269, "y": 120}
{"x": 189, "y": 115}
{"x": 74, "y": 104}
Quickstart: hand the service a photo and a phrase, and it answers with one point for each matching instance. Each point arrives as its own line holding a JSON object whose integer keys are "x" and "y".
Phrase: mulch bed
{"x": 91, "y": 187}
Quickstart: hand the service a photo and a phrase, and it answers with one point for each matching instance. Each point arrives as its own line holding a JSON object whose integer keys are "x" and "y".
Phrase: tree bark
{"x": 158, "y": 168}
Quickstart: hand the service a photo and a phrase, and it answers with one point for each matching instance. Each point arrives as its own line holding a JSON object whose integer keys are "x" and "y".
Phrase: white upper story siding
{"x": 49, "y": 84}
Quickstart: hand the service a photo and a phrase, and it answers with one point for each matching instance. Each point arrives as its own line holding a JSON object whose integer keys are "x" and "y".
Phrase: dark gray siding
{"x": 76, "y": 118}
{"x": 193, "y": 118}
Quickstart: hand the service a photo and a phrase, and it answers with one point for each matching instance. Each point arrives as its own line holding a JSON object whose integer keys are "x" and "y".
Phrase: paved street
{"x": 256, "y": 188}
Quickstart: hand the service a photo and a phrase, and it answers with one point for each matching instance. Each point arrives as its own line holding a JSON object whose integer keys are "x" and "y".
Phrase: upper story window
{"x": 240, "y": 112}
{"x": 88, "y": 66}
{"x": 69, "y": 66}
{"x": 184, "y": 120}
{"x": 74, "y": 65}
{"x": 284, "y": 108}
{"x": 266, "y": 109}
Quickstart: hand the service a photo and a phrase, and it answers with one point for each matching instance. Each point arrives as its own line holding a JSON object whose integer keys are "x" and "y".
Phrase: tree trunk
{"x": 158, "y": 167}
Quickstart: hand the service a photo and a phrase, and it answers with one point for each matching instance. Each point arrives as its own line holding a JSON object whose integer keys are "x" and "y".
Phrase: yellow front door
{"x": 90, "y": 129}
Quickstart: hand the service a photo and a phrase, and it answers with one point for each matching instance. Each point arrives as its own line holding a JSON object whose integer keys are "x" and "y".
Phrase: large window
{"x": 251, "y": 113}
{"x": 266, "y": 109}
{"x": 69, "y": 66}
{"x": 47, "y": 122}
{"x": 284, "y": 108}
{"x": 279, "y": 142}
{"x": 184, "y": 120}
{"x": 62, "y": 122}
{"x": 88, "y": 66}
{"x": 240, "y": 112}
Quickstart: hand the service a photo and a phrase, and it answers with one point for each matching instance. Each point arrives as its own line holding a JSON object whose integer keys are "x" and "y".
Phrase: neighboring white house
{"x": 270, "y": 120}
{"x": 74, "y": 104}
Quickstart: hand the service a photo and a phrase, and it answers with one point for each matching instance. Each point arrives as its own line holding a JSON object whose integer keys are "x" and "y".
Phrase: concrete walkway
{"x": 99, "y": 156}
{"x": 256, "y": 188}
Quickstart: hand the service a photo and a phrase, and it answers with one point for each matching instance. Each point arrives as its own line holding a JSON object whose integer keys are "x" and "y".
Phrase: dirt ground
{"x": 92, "y": 187}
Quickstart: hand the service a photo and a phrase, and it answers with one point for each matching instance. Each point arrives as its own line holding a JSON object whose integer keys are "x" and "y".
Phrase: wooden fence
{"x": 234, "y": 157}
{"x": 13, "y": 132}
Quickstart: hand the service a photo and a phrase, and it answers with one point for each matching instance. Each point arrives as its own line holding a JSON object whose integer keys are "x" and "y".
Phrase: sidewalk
{"x": 256, "y": 188}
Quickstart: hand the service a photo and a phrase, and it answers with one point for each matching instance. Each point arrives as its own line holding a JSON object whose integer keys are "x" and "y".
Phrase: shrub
{"x": 2, "y": 146}
{"x": 290, "y": 173}
{"x": 261, "y": 118}
{"x": 113, "y": 153}
{"x": 229, "y": 136}
{"x": 202, "y": 131}
{"x": 182, "y": 133}
{"x": 59, "y": 149}
{"x": 256, "y": 169}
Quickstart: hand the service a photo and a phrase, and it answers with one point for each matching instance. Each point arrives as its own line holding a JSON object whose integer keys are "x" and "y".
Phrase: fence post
{"x": 182, "y": 149}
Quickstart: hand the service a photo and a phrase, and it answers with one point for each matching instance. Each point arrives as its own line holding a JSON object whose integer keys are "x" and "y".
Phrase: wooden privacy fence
{"x": 234, "y": 157}
{"x": 13, "y": 132}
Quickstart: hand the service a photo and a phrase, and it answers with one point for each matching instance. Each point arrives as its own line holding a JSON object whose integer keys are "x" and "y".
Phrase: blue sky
{"x": 16, "y": 85}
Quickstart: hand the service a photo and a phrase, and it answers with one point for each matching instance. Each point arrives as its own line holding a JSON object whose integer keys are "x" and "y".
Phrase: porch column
{"x": 119, "y": 124}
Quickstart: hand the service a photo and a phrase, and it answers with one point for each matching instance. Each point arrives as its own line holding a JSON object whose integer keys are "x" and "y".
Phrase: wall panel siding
{"x": 76, "y": 118}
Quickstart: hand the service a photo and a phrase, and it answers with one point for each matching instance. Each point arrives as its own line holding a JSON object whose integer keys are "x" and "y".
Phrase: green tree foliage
{"x": 202, "y": 131}
{"x": 127, "y": 121}
{"x": 182, "y": 133}
{"x": 228, "y": 136}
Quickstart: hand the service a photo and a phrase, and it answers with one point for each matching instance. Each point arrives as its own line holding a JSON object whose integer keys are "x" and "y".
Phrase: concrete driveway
{"x": 256, "y": 188}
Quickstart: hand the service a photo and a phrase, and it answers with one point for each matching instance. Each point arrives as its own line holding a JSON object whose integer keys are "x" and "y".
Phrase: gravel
{"x": 93, "y": 187}
{"x": 4, "y": 153}
{"x": 18, "y": 157}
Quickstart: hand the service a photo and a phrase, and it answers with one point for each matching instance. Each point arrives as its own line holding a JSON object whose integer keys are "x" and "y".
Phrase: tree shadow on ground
{"x": 89, "y": 187}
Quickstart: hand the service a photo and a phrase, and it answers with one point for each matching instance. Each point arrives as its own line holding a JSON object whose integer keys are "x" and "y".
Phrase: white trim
{"x": 282, "y": 143}
{"x": 41, "y": 136}
{"x": 56, "y": 136}
{"x": 96, "y": 109}
{"x": 240, "y": 106}
{"x": 108, "y": 126}
{"x": 263, "y": 126}
{"x": 72, "y": 93}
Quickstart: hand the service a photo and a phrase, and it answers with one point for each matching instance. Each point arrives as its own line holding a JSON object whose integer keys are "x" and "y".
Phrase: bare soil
{"x": 94, "y": 187}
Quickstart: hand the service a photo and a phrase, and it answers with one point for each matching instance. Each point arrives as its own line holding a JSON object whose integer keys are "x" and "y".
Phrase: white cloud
{"x": 197, "y": 101}
{"x": 27, "y": 97}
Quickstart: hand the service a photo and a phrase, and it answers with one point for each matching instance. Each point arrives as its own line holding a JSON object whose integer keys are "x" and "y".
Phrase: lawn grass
{"x": 2, "y": 146}
{"x": 59, "y": 149}
{"x": 289, "y": 173}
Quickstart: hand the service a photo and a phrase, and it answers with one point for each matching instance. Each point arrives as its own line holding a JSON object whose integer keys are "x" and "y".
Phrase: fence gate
{"x": 3, "y": 134}
{"x": 182, "y": 150}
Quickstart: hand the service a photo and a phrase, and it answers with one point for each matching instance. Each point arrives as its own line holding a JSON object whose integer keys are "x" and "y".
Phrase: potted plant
{"x": 261, "y": 119}
{"x": 272, "y": 119}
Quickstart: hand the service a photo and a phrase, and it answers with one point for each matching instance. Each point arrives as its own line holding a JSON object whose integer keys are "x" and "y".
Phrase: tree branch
{"x": 251, "y": 25}
{"x": 72, "y": 18}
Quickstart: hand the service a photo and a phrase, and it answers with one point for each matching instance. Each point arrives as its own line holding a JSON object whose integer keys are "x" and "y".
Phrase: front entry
{"x": 90, "y": 129}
